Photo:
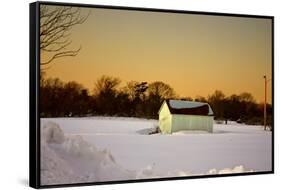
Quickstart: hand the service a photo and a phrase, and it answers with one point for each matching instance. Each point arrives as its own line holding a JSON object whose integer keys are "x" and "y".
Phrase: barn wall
{"x": 165, "y": 119}
{"x": 192, "y": 122}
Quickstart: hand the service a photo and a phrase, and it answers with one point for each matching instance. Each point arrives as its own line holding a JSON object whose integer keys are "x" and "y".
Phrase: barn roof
{"x": 189, "y": 107}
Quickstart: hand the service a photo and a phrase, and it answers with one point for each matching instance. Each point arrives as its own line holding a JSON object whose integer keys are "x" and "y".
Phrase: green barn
{"x": 178, "y": 115}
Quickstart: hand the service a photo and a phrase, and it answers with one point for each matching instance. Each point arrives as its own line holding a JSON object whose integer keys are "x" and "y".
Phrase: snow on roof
{"x": 189, "y": 107}
{"x": 179, "y": 104}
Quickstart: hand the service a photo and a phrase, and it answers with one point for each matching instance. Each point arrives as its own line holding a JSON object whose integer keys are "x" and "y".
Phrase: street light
{"x": 264, "y": 104}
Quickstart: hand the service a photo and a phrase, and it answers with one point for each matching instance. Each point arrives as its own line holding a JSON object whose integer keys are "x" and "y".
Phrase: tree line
{"x": 136, "y": 99}
{"x": 242, "y": 108}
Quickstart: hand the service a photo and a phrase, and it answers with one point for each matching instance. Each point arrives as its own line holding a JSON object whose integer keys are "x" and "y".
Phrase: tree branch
{"x": 56, "y": 23}
{"x": 61, "y": 54}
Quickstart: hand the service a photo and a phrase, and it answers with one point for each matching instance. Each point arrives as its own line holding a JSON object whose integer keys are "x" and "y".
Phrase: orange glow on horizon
{"x": 194, "y": 54}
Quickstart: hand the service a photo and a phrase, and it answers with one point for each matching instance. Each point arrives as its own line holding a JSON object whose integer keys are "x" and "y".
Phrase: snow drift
{"x": 71, "y": 159}
{"x": 97, "y": 149}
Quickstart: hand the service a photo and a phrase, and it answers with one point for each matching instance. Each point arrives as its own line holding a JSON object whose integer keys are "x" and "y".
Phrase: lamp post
{"x": 264, "y": 104}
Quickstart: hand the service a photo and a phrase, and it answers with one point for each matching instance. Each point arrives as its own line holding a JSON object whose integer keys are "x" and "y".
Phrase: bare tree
{"x": 200, "y": 99}
{"x": 106, "y": 84}
{"x": 105, "y": 93}
{"x": 164, "y": 91}
{"x": 130, "y": 89}
{"x": 56, "y": 23}
{"x": 217, "y": 100}
{"x": 246, "y": 97}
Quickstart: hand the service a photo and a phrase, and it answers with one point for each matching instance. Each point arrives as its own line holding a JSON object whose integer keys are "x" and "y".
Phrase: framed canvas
{"x": 123, "y": 94}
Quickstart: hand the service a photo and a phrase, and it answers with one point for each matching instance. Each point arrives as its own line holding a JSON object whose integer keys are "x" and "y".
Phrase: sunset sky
{"x": 194, "y": 54}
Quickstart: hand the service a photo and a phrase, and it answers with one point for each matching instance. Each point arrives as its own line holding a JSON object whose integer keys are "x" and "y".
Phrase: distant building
{"x": 178, "y": 115}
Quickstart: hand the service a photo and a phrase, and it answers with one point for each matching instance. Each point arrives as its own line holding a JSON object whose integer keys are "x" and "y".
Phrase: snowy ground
{"x": 75, "y": 150}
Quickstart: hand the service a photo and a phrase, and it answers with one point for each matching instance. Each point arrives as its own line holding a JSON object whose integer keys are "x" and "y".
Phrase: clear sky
{"x": 194, "y": 54}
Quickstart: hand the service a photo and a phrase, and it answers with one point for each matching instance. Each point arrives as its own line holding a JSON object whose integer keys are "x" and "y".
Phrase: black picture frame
{"x": 34, "y": 92}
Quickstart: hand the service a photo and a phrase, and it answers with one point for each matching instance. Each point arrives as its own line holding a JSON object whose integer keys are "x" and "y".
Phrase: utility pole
{"x": 264, "y": 104}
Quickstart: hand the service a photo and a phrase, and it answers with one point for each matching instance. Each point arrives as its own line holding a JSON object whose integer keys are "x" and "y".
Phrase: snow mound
{"x": 71, "y": 159}
{"x": 236, "y": 169}
{"x": 54, "y": 170}
{"x": 52, "y": 133}
{"x": 147, "y": 172}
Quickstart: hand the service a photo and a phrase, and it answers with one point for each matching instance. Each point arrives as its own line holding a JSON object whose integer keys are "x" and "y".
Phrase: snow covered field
{"x": 77, "y": 150}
